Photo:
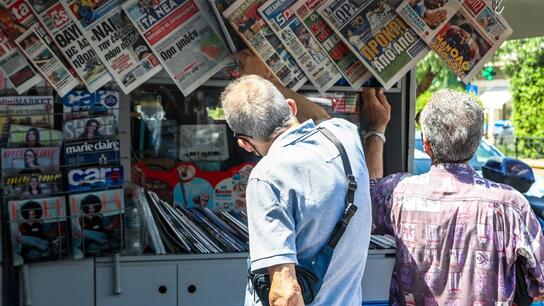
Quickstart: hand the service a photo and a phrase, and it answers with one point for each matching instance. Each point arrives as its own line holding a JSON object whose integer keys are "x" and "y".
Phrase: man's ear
{"x": 427, "y": 146}
{"x": 292, "y": 106}
{"x": 244, "y": 145}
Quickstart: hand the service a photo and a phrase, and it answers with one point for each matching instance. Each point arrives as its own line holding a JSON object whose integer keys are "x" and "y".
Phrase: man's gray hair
{"x": 453, "y": 123}
{"x": 254, "y": 107}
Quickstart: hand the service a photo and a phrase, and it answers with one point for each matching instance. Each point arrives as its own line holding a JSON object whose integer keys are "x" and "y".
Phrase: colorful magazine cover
{"x": 32, "y": 185}
{"x": 96, "y": 220}
{"x": 246, "y": 20}
{"x": 92, "y": 152}
{"x": 118, "y": 44}
{"x": 377, "y": 35}
{"x": 304, "y": 48}
{"x": 90, "y": 128}
{"x": 25, "y": 136}
{"x": 38, "y": 230}
{"x": 30, "y": 161}
{"x": 71, "y": 42}
{"x": 183, "y": 38}
{"x": 95, "y": 177}
{"x": 84, "y": 104}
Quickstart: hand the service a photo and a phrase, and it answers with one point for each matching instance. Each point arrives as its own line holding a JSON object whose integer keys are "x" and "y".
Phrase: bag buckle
{"x": 349, "y": 213}
{"x": 352, "y": 183}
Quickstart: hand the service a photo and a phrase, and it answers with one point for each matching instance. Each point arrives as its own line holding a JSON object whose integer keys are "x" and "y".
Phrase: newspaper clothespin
{"x": 498, "y": 6}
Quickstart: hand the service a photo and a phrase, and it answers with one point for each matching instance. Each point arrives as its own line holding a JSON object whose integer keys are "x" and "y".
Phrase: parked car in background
{"x": 503, "y": 131}
{"x": 422, "y": 162}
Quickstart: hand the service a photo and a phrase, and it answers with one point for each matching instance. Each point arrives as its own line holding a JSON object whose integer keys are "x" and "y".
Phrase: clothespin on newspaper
{"x": 498, "y": 6}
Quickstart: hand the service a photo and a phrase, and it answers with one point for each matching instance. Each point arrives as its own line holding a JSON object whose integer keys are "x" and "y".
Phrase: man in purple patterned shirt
{"x": 459, "y": 236}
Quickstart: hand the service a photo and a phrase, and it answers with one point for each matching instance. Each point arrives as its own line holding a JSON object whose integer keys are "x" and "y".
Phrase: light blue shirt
{"x": 296, "y": 195}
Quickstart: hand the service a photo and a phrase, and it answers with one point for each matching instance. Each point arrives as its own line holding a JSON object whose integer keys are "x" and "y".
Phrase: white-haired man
{"x": 296, "y": 193}
{"x": 459, "y": 236}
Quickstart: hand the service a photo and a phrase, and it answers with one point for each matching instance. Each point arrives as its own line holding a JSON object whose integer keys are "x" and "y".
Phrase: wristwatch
{"x": 368, "y": 134}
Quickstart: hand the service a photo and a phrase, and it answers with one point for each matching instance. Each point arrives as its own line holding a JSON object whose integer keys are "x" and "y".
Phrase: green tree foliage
{"x": 433, "y": 74}
{"x": 523, "y": 61}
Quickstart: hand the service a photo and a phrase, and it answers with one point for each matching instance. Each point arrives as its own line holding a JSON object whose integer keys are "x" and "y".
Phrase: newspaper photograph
{"x": 246, "y": 20}
{"x": 353, "y": 71}
{"x": 96, "y": 220}
{"x": 470, "y": 38}
{"x": 93, "y": 152}
{"x": 95, "y": 177}
{"x": 25, "y": 30}
{"x": 180, "y": 34}
{"x": 298, "y": 41}
{"x": 71, "y": 42}
{"x": 15, "y": 66}
{"x": 377, "y": 35}
{"x": 116, "y": 41}
{"x": 38, "y": 230}
{"x": 32, "y": 185}
{"x": 79, "y": 104}
{"x": 427, "y": 17}
{"x": 90, "y": 128}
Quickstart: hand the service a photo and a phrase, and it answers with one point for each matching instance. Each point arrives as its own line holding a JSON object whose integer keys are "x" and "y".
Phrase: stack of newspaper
{"x": 194, "y": 230}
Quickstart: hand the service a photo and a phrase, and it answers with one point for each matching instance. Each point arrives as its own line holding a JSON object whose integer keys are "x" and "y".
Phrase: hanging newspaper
{"x": 73, "y": 45}
{"x": 427, "y": 17}
{"x": 182, "y": 37}
{"x": 96, "y": 220}
{"x": 470, "y": 38}
{"x": 349, "y": 66}
{"x": 245, "y": 19}
{"x": 15, "y": 66}
{"x": 300, "y": 43}
{"x": 24, "y": 28}
{"x": 38, "y": 230}
{"x": 84, "y": 104}
{"x": 118, "y": 44}
{"x": 377, "y": 35}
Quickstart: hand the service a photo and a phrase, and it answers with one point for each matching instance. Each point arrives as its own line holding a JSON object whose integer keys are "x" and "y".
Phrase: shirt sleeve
{"x": 271, "y": 226}
{"x": 381, "y": 193}
{"x": 530, "y": 252}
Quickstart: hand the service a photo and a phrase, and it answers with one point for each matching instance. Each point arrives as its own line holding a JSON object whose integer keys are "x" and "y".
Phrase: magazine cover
{"x": 95, "y": 177}
{"x": 32, "y": 185}
{"x": 32, "y": 112}
{"x": 71, "y": 42}
{"x": 470, "y": 38}
{"x": 192, "y": 187}
{"x": 116, "y": 41}
{"x": 92, "y": 152}
{"x": 347, "y": 64}
{"x": 30, "y": 161}
{"x": 427, "y": 17}
{"x": 25, "y": 136}
{"x": 83, "y": 104}
{"x": 38, "y": 230}
{"x": 183, "y": 38}
{"x": 32, "y": 39}
{"x": 245, "y": 19}
{"x": 90, "y": 128}
{"x": 15, "y": 66}
{"x": 203, "y": 142}
{"x": 96, "y": 220}
{"x": 377, "y": 35}
{"x": 304, "y": 48}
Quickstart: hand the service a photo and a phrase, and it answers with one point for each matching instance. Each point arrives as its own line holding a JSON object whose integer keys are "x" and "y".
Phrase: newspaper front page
{"x": 470, "y": 38}
{"x": 73, "y": 45}
{"x": 304, "y": 48}
{"x": 24, "y": 28}
{"x": 348, "y": 64}
{"x": 116, "y": 41}
{"x": 246, "y": 20}
{"x": 15, "y": 66}
{"x": 183, "y": 38}
{"x": 379, "y": 37}
{"x": 427, "y": 17}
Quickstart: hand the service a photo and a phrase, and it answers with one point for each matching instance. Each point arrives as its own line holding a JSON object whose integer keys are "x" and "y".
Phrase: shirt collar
{"x": 455, "y": 168}
{"x": 291, "y": 135}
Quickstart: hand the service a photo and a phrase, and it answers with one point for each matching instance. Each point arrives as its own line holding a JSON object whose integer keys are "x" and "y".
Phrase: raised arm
{"x": 306, "y": 109}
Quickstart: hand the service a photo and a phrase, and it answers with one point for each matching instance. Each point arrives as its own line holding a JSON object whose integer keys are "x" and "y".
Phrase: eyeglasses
{"x": 246, "y": 138}
{"x": 240, "y": 136}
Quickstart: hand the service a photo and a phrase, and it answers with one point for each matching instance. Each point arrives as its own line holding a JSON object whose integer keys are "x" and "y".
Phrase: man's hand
{"x": 435, "y": 17}
{"x": 376, "y": 109}
{"x": 250, "y": 64}
{"x": 284, "y": 288}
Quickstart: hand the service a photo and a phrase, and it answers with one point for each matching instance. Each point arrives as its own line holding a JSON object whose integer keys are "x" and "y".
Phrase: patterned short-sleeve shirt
{"x": 458, "y": 237}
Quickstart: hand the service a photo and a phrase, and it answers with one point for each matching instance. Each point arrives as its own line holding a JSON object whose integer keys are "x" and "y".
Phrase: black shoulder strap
{"x": 351, "y": 209}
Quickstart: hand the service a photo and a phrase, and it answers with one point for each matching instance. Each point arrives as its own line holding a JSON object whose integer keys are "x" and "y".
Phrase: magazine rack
{"x": 216, "y": 279}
